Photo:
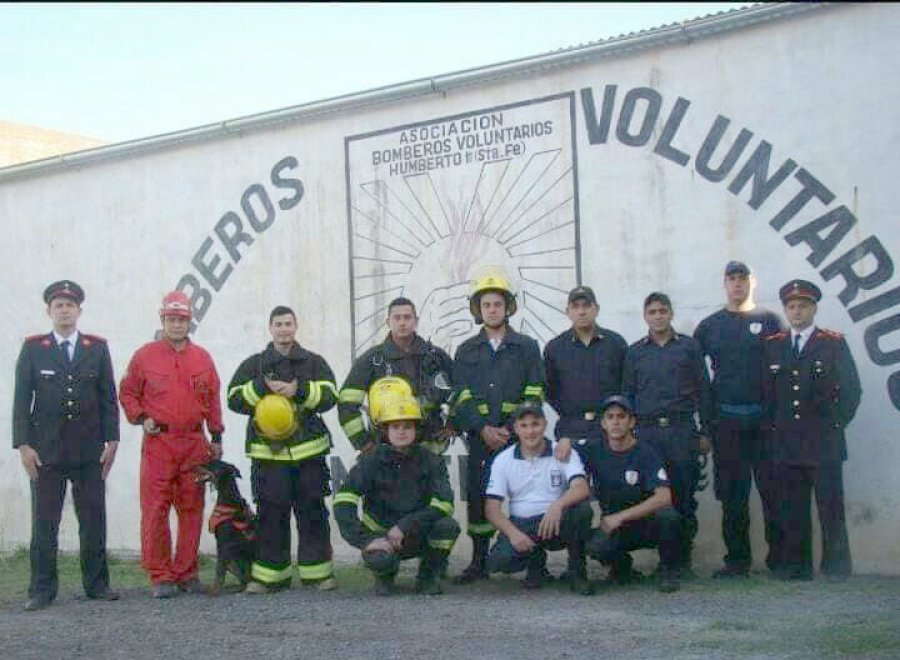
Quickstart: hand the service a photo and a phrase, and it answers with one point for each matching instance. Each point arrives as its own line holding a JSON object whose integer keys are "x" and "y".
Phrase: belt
{"x": 178, "y": 428}
{"x": 664, "y": 421}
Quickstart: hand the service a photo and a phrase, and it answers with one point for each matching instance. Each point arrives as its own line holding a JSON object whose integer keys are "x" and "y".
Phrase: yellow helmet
{"x": 275, "y": 417}
{"x": 491, "y": 279}
{"x": 399, "y": 409}
{"x": 384, "y": 390}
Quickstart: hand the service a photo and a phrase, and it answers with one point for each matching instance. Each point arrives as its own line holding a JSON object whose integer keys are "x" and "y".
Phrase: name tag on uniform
{"x": 47, "y": 372}
{"x": 556, "y": 478}
{"x": 631, "y": 477}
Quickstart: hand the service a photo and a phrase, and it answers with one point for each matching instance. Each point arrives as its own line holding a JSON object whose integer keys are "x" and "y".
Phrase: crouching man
{"x": 632, "y": 487}
{"x": 407, "y": 503}
{"x": 548, "y": 508}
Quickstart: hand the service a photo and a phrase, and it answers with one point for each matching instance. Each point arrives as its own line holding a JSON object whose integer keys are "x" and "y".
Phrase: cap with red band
{"x": 799, "y": 289}
{"x": 176, "y": 303}
{"x": 64, "y": 289}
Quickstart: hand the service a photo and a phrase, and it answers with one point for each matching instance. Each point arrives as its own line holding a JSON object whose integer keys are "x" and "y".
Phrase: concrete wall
{"x": 606, "y": 172}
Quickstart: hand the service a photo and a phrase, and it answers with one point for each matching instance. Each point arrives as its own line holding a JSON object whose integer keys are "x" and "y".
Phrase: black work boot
{"x": 384, "y": 584}
{"x": 476, "y": 570}
{"x": 577, "y": 572}
{"x": 534, "y": 574}
{"x": 427, "y": 582}
{"x": 669, "y": 580}
{"x": 621, "y": 572}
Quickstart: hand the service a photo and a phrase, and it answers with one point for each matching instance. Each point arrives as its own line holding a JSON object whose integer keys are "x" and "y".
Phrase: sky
{"x": 124, "y": 71}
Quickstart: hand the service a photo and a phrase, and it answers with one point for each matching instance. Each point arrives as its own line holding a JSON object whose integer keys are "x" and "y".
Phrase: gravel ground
{"x": 494, "y": 619}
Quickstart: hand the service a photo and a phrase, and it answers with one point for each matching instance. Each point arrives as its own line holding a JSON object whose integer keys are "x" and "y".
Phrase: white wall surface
{"x": 818, "y": 87}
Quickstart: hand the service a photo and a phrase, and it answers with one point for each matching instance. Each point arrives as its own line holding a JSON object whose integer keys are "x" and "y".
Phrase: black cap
{"x": 733, "y": 267}
{"x": 582, "y": 293}
{"x": 616, "y": 400}
{"x": 799, "y": 289}
{"x": 64, "y": 289}
{"x": 528, "y": 407}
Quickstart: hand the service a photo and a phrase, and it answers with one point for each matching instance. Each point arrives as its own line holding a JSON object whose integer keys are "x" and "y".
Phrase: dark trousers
{"x": 431, "y": 544}
{"x": 676, "y": 445}
{"x": 574, "y": 529}
{"x": 47, "y": 497}
{"x": 792, "y": 552}
{"x": 738, "y": 460}
{"x": 280, "y": 490}
{"x": 661, "y": 530}
{"x": 477, "y": 469}
{"x": 828, "y": 485}
{"x": 796, "y": 485}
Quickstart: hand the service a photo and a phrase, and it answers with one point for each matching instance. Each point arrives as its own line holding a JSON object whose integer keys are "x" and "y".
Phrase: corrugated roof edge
{"x": 687, "y": 31}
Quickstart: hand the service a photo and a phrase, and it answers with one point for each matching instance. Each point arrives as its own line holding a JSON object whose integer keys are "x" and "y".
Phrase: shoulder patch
{"x": 831, "y": 334}
{"x": 33, "y": 338}
{"x": 86, "y": 339}
{"x": 778, "y": 335}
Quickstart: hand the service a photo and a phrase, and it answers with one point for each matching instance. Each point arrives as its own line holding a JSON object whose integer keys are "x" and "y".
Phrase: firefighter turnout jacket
{"x": 420, "y": 365}
{"x": 409, "y": 489}
{"x": 491, "y": 384}
{"x": 316, "y": 393}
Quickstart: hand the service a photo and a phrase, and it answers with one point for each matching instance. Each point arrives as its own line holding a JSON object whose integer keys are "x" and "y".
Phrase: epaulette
{"x": 44, "y": 339}
{"x": 831, "y": 334}
{"x": 782, "y": 334}
{"x": 87, "y": 339}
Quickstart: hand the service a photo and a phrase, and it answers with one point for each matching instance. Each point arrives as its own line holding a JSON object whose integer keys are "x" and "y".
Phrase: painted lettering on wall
{"x": 744, "y": 164}
{"x": 221, "y": 250}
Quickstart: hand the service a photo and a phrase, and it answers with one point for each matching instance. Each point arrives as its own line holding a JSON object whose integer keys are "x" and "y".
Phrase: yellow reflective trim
{"x": 442, "y": 544}
{"x": 315, "y": 395}
{"x": 235, "y": 390}
{"x": 444, "y": 507}
{"x": 354, "y": 426}
{"x": 251, "y": 396}
{"x": 482, "y": 408}
{"x": 319, "y": 571}
{"x": 508, "y": 407}
{"x": 465, "y": 395}
{"x": 372, "y": 525}
{"x": 268, "y": 575}
{"x": 351, "y": 395}
{"x": 534, "y": 391}
{"x": 346, "y": 497}
{"x": 290, "y": 453}
{"x": 481, "y": 529}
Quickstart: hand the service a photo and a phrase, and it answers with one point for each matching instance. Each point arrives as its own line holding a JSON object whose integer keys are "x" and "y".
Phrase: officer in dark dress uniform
{"x": 811, "y": 391}
{"x": 66, "y": 428}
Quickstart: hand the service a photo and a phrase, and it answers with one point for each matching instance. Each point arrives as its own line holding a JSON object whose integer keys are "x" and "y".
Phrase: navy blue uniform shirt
{"x": 669, "y": 380}
{"x": 622, "y": 479}
{"x": 580, "y": 376}
{"x": 734, "y": 343}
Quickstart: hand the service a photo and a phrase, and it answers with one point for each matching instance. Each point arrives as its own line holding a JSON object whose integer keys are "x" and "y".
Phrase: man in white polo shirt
{"x": 548, "y": 508}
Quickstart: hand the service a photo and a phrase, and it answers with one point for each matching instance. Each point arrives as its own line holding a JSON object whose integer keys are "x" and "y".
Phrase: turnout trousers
{"x": 167, "y": 481}
{"x": 432, "y": 544}
{"x": 280, "y": 490}
{"x": 478, "y": 468}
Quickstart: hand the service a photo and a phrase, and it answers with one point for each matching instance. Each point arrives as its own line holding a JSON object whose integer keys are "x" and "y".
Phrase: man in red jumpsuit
{"x": 171, "y": 387}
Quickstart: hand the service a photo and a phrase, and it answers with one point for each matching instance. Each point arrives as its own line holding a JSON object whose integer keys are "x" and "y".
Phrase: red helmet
{"x": 176, "y": 303}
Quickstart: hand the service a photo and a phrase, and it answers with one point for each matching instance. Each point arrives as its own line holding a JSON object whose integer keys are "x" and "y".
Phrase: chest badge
{"x": 755, "y": 328}
{"x": 631, "y": 477}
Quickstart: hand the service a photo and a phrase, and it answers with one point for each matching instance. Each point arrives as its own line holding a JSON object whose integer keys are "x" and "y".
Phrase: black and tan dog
{"x": 232, "y": 522}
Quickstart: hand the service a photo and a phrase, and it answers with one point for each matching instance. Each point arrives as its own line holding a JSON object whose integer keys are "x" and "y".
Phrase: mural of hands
{"x": 444, "y": 318}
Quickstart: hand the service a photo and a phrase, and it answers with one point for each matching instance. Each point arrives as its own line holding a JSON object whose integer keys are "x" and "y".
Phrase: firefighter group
{"x": 768, "y": 395}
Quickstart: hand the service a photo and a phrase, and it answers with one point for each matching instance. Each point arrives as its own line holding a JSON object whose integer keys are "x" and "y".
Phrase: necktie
{"x": 64, "y": 345}
{"x": 796, "y": 345}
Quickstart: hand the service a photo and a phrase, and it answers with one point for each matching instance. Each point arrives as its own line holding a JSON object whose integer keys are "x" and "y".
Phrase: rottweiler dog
{"x": 232, "y": 522}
